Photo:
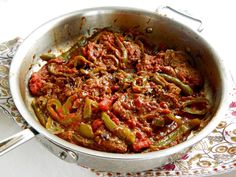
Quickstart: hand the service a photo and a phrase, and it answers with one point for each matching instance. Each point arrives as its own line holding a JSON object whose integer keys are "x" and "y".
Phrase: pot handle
{"x": 13, "y": 141}
{"x": 182, "y": 16}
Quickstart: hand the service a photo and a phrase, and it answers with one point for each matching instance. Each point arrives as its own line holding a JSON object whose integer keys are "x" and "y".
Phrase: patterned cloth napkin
{"x": 215, "y": 154}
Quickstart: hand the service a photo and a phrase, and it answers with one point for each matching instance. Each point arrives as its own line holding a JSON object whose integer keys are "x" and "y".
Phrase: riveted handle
{"x": 181, "y": 16}
{"x": 12, "y": 142}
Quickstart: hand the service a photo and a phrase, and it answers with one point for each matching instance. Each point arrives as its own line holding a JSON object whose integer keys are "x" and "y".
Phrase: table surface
{"x": 19, "y": 18}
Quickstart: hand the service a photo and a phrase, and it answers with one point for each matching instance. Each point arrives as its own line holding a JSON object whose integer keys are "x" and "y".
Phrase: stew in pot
{"x": 116, "y": 92}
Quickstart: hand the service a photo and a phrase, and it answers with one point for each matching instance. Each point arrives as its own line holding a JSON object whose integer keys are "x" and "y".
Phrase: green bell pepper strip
{"x": 193, "y": 123}
{"x": 184, "y": 87}
{"x": 66, "y": 55}
{"x": 67, "y": 106}
{"x": 54, "y": 107}
{"x": 123, "y": 49}
{"x": 53, "y": 126}
{"x": 70, "y": 118}
{"x": 41, "y": 117}
{"x": 82, "y": 41}
{"x": 126, "y": 134}
{"x": 123, "y": 133}
{"x": 85, "y": 130}
{"x": 78, "y": 60}
{"x": 194, "y": 111}
{"x": 82, "y": 141}
{"x": 188, "y": 106}
{"x": 47, "y": 56}
{"x": 61, "y": 113}
{"x": 87, "y": 111}
{"x": 158, "y": 80}
{"x": 171, "y": 116}
{"x": 110, "y": 125}
{"x": 173, "y": 136}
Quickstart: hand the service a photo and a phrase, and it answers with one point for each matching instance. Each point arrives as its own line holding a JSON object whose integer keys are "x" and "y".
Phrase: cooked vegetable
{"x": 96, "y": 124}
{"x": 126, "y": 134}
{"x": 138, "y": 146}
{"x": 79, "y": 61}
{"x": 158, "y": 80}
{"x": 185, "y": 88}
{"x": 85, "y": 130}
{"x": 87, "y": 112}
{"x": 54, "y": 108}
{"x": 175, "y": 119}
{"x": 47, "y": 56}
{"x": 66, "y": 55}
{"x": 105, "y": 104}
{"x": 122, "y": 132}
{"x": 60, "y": 70}
{"x": 82, "y": 41}
{"x": 40, "y": 115}
{"x": 139, "y": 85}
{"x": 118, "y": 92}
{"x": 197, "y": 106}
{"x": 159, "y": 122}
{"x": 110, "y": 125}
{"x": 123, "y": 49}
{"x": 173, "y": 136}
{"x": 67, "y": 106}
{"x": 82, "y": 141}
{"x": 61, "y": 113}
{"x": 194, "y": 123}
{"x": 53, "y": 126}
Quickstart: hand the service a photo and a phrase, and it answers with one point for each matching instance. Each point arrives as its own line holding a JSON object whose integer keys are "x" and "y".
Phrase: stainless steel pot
{"x": 60, "y": 33}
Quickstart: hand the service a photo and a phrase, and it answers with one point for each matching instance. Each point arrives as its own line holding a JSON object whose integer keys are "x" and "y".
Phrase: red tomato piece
{"x": 96, "y": 124}
{"x": 131, "y": 123}
{"x": 145, "y": 143}
{"x": 139, "y": 135}
{"x": 105, "y": 104}
{"x": 35, "y": 83}
{"x": 116, "y": 120}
